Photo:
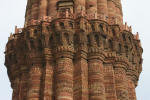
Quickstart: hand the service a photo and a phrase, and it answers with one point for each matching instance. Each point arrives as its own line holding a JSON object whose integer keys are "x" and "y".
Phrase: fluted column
{"x": 79, "y": 6}
{"x": 23, "y": 83}
{"x": 64, "y": 78}
{"x": 131, "y": 90}
{"x": 28, "y": 11}
{"x": 111, "y": 10}
{"x": 102, "y": 8}
{"x": 48, "y": 76}
{"x": 132, "y": 82}
{"x": 91, "y": 6}
{"x": 15, "y": 90}
{"x": 42, "y": 8}
{"x": 109, "y": 81}
{"x": 121, "y": 81}
{"x": 15, "y": 94}
{"x": 52, "y": 8}
{"x": 34, "y": 82}
{"x": 35, "y": 9}
{"x": 96, "y": 75}
{"x": 28, "y": 17}
{"x": 63, "y": 71}
{"x": 119, "y": 13}
{"x": 81, "y": 68}
{"x": 15, "y": 80}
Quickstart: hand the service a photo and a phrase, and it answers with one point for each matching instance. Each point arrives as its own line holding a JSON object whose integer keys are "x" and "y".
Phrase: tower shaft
{"x": 73, "y": 50}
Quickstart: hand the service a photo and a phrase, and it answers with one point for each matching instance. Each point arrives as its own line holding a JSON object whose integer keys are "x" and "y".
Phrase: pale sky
{"x": 136, "y": 14}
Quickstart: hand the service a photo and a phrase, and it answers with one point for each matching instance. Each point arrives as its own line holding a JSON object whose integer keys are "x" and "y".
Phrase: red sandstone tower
{"x": 74, "y": 50}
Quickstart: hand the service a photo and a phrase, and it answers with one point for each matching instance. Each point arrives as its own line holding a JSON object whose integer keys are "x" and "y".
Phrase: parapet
{"x": 125, "y": 27}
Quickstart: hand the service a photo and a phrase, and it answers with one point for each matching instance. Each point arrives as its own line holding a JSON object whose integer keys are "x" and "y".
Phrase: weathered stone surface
{"x": 73, "y": 50}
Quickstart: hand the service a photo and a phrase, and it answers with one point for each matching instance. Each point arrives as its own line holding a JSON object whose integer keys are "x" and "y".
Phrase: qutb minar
{"x": 74, "y": 50}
